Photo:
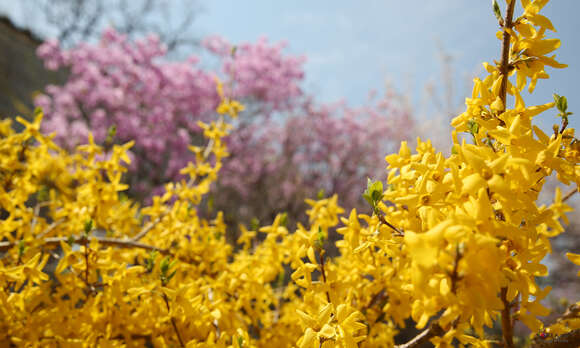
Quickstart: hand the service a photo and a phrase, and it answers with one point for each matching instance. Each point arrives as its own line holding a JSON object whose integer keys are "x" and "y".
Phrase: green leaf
{"x": 368, "y": 198}
{"x": 561, "y": 103}
{"x": 473, "y": 127}
{"x": 171, "y": 275}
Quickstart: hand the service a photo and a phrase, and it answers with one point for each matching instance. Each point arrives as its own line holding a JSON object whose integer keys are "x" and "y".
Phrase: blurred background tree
{"x": 75, "y": 21}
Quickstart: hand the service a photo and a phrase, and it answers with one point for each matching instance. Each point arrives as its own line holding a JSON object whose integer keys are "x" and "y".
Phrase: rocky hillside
{"x": 22, "y": 74}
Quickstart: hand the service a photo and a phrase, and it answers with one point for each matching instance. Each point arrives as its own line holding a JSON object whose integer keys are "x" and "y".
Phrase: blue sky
{"x": 355, "y": 46}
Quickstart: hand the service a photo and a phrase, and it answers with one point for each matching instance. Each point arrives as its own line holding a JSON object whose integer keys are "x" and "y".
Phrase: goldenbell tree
{"x": 454, "y": 243}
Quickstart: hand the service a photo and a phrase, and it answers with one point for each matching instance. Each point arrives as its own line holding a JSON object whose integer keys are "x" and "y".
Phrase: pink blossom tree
{"x": 276, "y": 161}
{"x": 127, "y": 85}
{"x": 315, "y": 149}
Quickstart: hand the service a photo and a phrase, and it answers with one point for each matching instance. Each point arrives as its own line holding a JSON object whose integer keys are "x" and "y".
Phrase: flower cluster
{"x": 120, "y": 91}
{"x": 454, "y": 243}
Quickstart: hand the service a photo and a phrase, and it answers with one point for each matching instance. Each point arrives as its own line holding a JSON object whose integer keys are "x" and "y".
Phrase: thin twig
{"x": 321, "y": 258}
{"x": 82, "y": 240}
{"x": 570, "y": 339}
{"x": 506, "y": 320}
{"x": 147, "y": 228}
{"x": 504, "y": 67}
{"x": 455, "y": 278}
{"x": 432, "y": 331}
{"x": 568, "y": 195}
{"x": 86, "y": 263}
{"x": 173, "y": 321}
{"x": 385, "y": 222}
{"x": 50, "y": 228}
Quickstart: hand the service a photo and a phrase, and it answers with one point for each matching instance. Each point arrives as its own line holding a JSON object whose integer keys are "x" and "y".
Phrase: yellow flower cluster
{"x": 454, "y": 242}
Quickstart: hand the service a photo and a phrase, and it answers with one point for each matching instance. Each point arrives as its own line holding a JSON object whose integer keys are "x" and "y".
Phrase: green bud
{"x": 37, "y": 111}
{"x": 496, "y": 10}
{"x": 320, "y": 238}
{"x": 123, "y": 197}
{"x": 280, "y": 280}
{"x": 150, "y": 262}
{"x": 320, "y": 194}
{"x": 112, "y": 131}
{"x": 561, "y": 103}
{"x": 240, "y": 341}
{"x": 374, "y": 192}
{"x": 21, "y": 248}
{"x": 473, "y": 127}
{"x": 254, "y": 224}
{"x": 164, "y": 265}
{"x": 88, "y": 226}
{"x": 284, "y": 219}
{"x": 43, "y": 193}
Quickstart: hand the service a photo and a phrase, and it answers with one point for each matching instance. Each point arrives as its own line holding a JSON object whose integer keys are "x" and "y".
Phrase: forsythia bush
{"x": 454, "y": 243}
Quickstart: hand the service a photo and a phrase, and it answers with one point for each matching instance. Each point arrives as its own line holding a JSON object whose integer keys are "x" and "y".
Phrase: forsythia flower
{"x": 452, "y": 242}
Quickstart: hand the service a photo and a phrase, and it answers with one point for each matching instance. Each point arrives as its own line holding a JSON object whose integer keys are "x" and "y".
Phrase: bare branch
{"x": 506, "y": 320}
{"x": 433, "y": 330}
{"x": 147, "y": 228}
{"x": 567, "y": 340}
{"x": 568, "y": 195}
{"x": 82, "y": 240}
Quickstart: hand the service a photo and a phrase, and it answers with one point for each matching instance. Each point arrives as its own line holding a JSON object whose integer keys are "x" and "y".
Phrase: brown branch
{"x": 455, "y": 278}
{"x": 147, "y": 228}
{"x": 82, "y": 240}
{"x": 506, "y": 320}
{"x": 504, "y": 67}
{"x": 433, "y": 330}
{"x": 568, "y": 195}
{"x": 173, "y": 323}
{"x": 50, "y": 228}
{"x": 567, "y": 340}
{"x": 385, "y": 222}
{"x": 321, "y": 258}
{"x": 86, "y": 263}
